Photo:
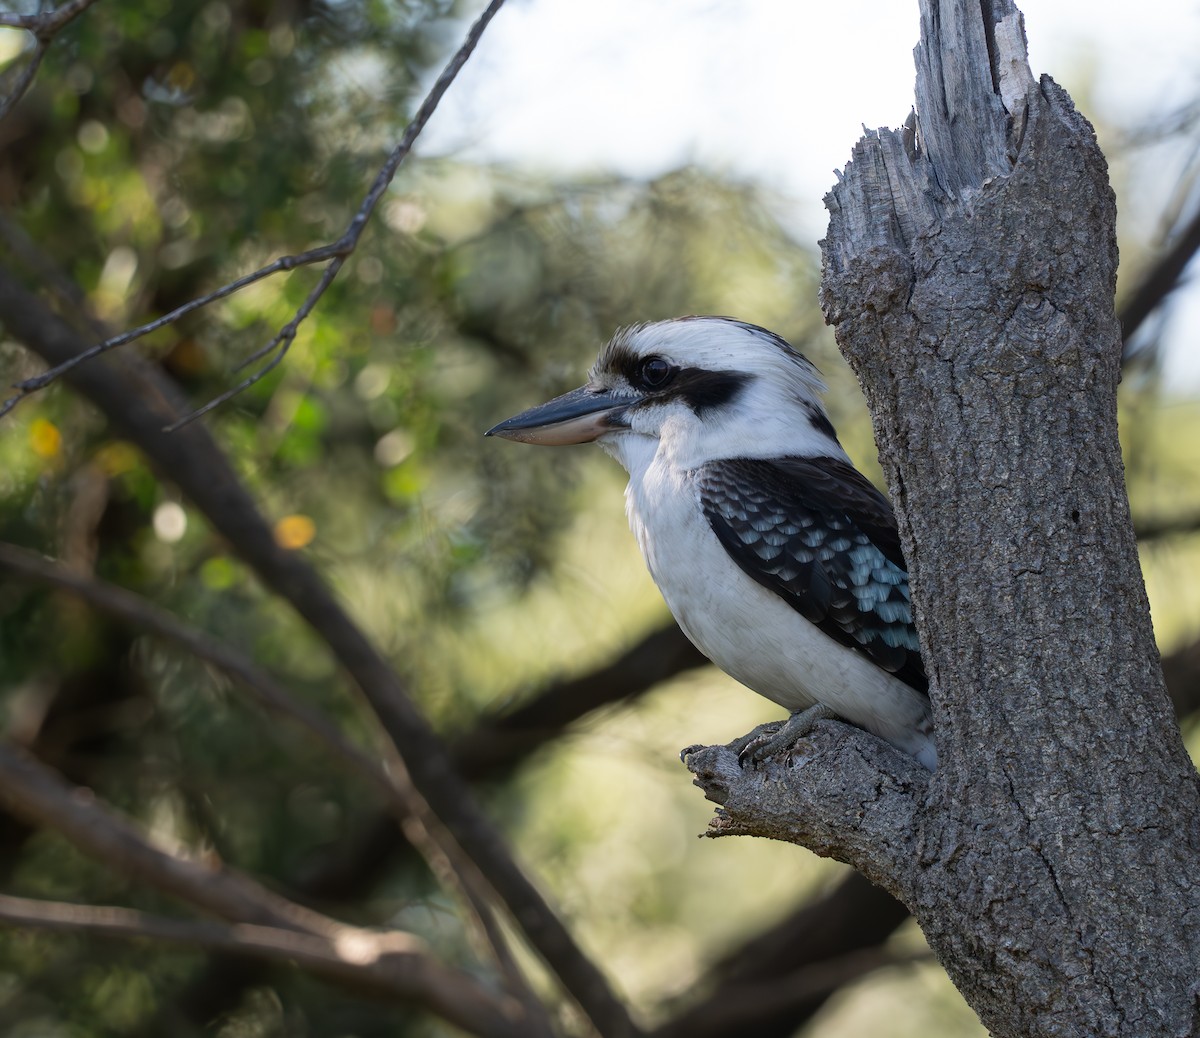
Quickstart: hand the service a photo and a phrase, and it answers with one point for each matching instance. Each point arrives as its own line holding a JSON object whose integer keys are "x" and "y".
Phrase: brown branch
{"x": 1158, "y": 282}
{"x": 454, "y": 871}
{"x": 750, "y": 1008}
{"x": 336, "y": 253}
{"x": 40, "y": 795}
{"x": 138, "y": 402}
{"x": 1152, "y": 529}
{"x": 68, "y": 296}
{"x": 393, "y": 966}
{"x": 499, "y": 741}
{"x": 853, "y": 919}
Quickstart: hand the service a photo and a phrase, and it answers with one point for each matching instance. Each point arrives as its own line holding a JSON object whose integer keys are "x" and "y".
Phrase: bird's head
{"x": 701, "y": 387}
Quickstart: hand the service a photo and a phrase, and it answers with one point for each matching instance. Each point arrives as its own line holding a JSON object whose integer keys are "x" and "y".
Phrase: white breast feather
{"x": 747, "y": 630}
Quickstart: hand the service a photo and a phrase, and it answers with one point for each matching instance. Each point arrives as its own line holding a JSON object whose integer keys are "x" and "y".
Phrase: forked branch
{"x": 442, "y": 854}
{"x": 43, "y": 26}
{"x": 266, "y": 923}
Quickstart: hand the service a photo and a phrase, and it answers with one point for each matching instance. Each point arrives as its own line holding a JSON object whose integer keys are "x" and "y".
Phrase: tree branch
{"x": 145, "y": 616}
{"x": 741, "y": 1009}
{"x": 44, "y": 26}
{"x": 850, "y": 796}
{"x": 415, "y": 820}
{"x": 1159, "y": 282}
{"x": 849, "y": 924}
{"x": 499, "y": 741}
{"x": 335, "y": 253}
{"x": 393, "y": 966}
{"x": 34, "y": 792}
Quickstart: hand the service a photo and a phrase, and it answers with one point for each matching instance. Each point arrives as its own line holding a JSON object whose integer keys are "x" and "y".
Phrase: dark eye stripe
{"x": 704, "y": 390}
{"x": 700, "y": 389}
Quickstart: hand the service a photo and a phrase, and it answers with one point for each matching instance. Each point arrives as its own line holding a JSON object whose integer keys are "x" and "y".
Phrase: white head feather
{"x": 736, "y": 390}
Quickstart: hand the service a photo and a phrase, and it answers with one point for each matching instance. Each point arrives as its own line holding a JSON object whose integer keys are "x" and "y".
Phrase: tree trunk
{"x": 1052, "y": 859}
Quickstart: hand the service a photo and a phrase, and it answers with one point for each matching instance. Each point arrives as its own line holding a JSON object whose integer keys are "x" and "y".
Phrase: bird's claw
{"x": 777, "y": 736}
{"x": 748, "y": 746}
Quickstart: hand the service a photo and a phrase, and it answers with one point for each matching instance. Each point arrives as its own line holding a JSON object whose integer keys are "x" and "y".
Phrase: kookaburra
{"x": 779, "y": 560}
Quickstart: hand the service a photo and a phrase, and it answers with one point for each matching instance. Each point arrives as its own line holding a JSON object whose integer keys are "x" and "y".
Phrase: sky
{"x": 760, "y": 90}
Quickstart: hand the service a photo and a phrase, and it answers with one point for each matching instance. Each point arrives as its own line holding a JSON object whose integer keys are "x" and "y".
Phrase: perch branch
{"x": 846, "y": 795}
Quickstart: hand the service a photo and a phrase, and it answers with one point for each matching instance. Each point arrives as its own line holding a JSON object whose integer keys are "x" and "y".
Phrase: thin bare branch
{"x": 394, "y": 966}
{"x": 43, "y": 26}
{"x": 335, "y": 253}
{"x": 282, "y": 341}
{"x": 284, "y": 263}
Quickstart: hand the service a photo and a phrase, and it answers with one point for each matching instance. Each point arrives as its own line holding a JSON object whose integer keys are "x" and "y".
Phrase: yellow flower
{"x": 45, "y": 439}
{"x": 295, "y": 531}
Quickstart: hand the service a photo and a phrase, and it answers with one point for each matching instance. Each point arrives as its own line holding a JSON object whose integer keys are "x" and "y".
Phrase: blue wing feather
{"x": 818, "y": 534}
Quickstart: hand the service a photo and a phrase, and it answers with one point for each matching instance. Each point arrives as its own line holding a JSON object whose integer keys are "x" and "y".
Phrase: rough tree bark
{"x": 969, "y": 271}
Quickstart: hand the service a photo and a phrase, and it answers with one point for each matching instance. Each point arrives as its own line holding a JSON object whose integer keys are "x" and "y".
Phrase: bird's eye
{"x": 655, "y": 373}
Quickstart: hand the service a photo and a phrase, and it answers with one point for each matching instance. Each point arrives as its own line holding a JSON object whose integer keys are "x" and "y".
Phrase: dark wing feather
{"x": 819, "y": 535}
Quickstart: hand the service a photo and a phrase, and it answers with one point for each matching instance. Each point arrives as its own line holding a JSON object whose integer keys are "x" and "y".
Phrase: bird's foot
{"x": 776, "y": 736}
{"x": 748, "y": 743}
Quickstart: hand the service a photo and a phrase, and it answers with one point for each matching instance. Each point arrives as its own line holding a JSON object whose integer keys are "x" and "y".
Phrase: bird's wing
{"x": 819, "y": 535}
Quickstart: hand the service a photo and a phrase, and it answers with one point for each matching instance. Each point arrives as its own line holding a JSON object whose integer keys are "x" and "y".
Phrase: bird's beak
{"x": 580, "y": 416}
